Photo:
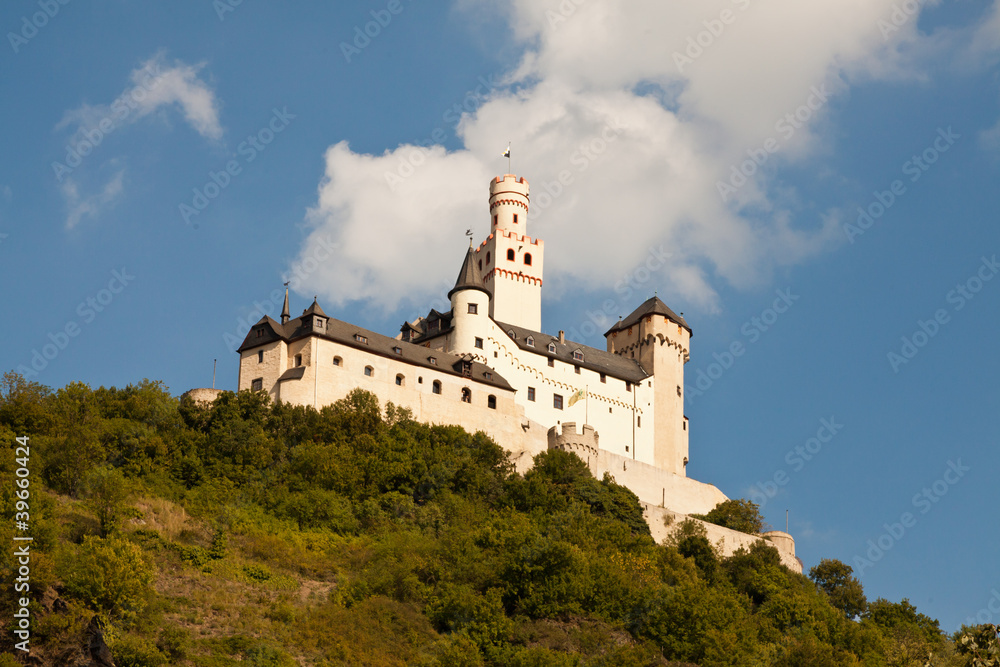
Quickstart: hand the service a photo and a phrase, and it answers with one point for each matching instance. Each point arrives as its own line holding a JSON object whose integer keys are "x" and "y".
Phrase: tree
{"x": 109, "y": 495}
{"x": 834, "y": 578}
{"x": 110, "y": 576}
{"x": 981, "y": 644}
{"x": 737, "y": 514}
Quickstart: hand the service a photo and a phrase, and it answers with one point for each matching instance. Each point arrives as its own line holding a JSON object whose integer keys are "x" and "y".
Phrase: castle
{"x": 485, "y": 365}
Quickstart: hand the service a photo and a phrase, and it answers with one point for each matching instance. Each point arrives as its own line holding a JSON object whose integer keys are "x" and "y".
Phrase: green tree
{"x": 109, "y": 495}
{"x": 737, "y": 514}
{"x": 981, "y": 644}
{"x": 835, "y": 579}
{"x": 108, "y": 575}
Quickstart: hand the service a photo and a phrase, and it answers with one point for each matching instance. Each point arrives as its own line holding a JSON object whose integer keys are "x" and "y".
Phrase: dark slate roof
{"x": 345, "y": 334}
{"x": 423, "y": 332}
{"x": 653, "y": 306}
{"x": 600, "y": 361}
{"x": 468, "y": 277}
{"x": 314, "y": 309}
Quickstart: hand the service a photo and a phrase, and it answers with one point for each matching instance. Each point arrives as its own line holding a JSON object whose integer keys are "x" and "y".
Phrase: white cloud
{"x": 89, "y": 206}
{"x": 672, "y": 130}
{"x": 153, "y": 85}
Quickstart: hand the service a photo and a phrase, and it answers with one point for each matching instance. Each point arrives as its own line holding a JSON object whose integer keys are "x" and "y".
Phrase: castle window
{"x": 487, "y": 259}
{"x": 628, "y": 386}
{"x": 480, "y": 265}
{"x": 604, "y": 378}
{"x": 557, "y": 401}
{"x": 466, "y": 395}
{"x": 510, "y": 254}
{"x": 433, "y": 360}
{"x": 397, "y": 350}
{"x": 489, "y": 376}
{"x": 257, "y": 385}
{"x": 578, "y": 355}
{"x": 369, "y": 371}
{"x": 473, "y": 309}
{"x": 512, "y": 334}
{"x": 638, "y": 422}
{"x": 400, "y": 380}
{"x": 298, "y": 360}
{"x": 685, "y": 426}
{"x": 260, "y": 333}
{"x": 433, "y": 326}
{"x": 529, "y": 341}
{"x": 361, "y": 339}
{"x": 552, "y": 348}
{"x": 527, "y": 258}
{"x": 491, "y": 402}
{"x": 496, "y": 218}
{"x": 531, "y": 394}
{"x": 337, "y": 361}
{"x": 577, "y": 369}
{"x": 552, "y": 362}
{"x": 319, "y": 323}
{"x": 260, "y": 357}
{"x": 515, "y": 218}
{"x": 420, "y": 380}
{"x": 479, "y": 343}
{"x": 467, "y": 368}
{"x": 436, "y": 387}
{"x": 678, "y": 390}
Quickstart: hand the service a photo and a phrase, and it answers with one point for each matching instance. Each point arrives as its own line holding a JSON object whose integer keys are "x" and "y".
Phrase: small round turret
{"x": 509, "y": 204}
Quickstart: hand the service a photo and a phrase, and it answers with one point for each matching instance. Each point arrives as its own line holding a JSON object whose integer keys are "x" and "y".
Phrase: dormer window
{"x": 489, "y": 376}
{"x": 512, "y": 334}
{"x": 319, "y": 323}
{"x": 578, "y": 356}
{"x": 361, "y": 339}
{"x": 529, "y": 341}
{"x": 397, "y": 350}
{"x": 260, "y": 333}
{"x": 552, "y": 348}
{"x": 433, "y": 326}
{"x": 433, "y": 360}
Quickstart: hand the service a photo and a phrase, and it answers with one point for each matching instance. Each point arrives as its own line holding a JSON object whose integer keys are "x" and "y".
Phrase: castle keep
{"x": 485, "y": 365}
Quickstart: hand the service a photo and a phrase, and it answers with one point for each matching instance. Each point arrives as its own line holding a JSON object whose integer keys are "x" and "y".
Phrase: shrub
{"x": 108, "y": 575}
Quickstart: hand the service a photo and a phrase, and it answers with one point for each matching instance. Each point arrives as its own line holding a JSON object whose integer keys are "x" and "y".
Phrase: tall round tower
{"x": 510, "y": 261}
{"x": 509, "y": 204}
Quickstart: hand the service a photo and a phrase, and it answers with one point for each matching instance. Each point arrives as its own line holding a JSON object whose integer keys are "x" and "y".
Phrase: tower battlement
{"x": 584, "y": 444}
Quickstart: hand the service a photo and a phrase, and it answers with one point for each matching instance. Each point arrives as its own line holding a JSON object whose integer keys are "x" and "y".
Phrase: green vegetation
{"x": 246, "y": 533}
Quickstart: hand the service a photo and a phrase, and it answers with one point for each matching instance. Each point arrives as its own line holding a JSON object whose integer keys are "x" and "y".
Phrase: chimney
{"x": 562, "y": 336}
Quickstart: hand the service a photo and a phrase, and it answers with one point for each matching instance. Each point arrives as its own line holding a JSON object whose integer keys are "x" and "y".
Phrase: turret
{"x": 470, "y": 306}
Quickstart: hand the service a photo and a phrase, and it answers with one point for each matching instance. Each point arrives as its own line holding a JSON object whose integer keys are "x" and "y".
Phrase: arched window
{"x": 400, "y": 380}
{"x": 436, "y": 387}
{"x": 491, "y": 402}
{"x": 510, "y": 254}
{"x": 480, "y": 265}
{"x": 527, "y": 258}
{"x": 369, "y": 371}
{"x": 466, "y": 395}
{"x": 337, "y": 361}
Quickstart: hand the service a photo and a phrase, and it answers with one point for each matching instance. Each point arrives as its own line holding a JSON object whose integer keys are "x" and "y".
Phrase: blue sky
{"x": 740, "y": 140}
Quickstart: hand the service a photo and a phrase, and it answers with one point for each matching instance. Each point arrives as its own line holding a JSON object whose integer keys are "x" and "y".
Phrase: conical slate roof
{"x": 468, "y": 277}
{"x": 314, "y": 309}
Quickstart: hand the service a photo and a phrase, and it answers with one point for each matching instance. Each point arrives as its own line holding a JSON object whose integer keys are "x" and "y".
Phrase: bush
{"x": 108, "y": 575}
{"x": 741, "y": 515}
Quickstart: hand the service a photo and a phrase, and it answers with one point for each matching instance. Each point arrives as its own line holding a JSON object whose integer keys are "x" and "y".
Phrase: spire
{"x": 285, "y": 316}
{"x": 468, "y": 277}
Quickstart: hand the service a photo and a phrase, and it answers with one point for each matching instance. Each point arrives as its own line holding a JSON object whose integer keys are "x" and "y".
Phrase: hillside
{"x": 247, "y": 533}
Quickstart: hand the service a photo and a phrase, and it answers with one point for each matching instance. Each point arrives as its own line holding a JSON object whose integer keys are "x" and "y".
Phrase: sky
{"x": 814, "y": 185}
